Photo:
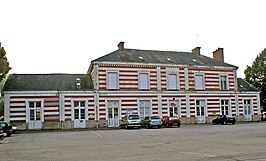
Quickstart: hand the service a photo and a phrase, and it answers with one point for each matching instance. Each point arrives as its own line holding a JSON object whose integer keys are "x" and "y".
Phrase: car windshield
{"x": 133, "y": 117}
{"x": 155, "y": 117}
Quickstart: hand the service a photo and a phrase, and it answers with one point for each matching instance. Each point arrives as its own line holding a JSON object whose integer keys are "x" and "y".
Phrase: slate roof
{"x": 47, "y": 82}
{"x": 243, "y": 85}
{"x": 160, "y": 57}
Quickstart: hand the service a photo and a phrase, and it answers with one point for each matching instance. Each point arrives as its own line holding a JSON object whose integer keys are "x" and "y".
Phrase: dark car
{"x": 224, "y": 119}
{"x": 2, "y": 135}
{"x": 171, "y": 121}
{"x": 7, "y": 128}
{"x": 151, "y": 121}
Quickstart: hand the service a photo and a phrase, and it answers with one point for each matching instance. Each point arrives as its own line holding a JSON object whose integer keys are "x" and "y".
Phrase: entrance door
{"x": 174, "y": 109}
{"x": 247, "y": 110}
{"x": 35, "y": 117}
{"x": 79, "y": 114}
{"x": 113, "y": 114}
{"x": 200, "y": 111}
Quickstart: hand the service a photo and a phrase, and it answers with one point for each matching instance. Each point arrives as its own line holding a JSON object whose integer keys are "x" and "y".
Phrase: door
{"x": 247, "y": 110}
{"x": 200, "y": 111}
{"x": 113, "y": 114}
{"x": 79, "y": 114}
{"x": 35, "y": 115}
{"x": 174, "y": 109}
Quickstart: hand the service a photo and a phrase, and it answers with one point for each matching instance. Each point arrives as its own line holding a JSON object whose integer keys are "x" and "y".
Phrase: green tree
{"x": 256, "y": 75}
{"x": 4, "y": 64}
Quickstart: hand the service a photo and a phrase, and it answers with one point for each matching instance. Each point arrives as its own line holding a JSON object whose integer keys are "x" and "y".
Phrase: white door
{"x": 79, "y": 114}
{"x": 174, "y": 109}
{"x": 35, "y": 117}
{"x": 200, "y": 111}
{"x": 247, "y": 110}
{"x": 113, "y": 114}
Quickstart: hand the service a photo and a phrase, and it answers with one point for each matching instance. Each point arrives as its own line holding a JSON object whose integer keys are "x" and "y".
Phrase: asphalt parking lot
{"x": 240, "y": 142}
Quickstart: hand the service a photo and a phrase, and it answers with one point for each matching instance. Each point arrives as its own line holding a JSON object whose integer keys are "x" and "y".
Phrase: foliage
{"x": 256, "y": 75}
{"x": 4, "y": 64}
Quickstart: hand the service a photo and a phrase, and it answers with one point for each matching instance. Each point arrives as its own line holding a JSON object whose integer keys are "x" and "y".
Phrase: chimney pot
{"x": 121, "y": 45}
{"x": 196, "y": 51}
{"x": 219, "y": 55}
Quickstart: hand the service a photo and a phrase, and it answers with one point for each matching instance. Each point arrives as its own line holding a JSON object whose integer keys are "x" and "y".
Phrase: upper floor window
{"x": 112, "y": 80}
{"x": 143, "y": 81}
{"x": 223, "y": 82}
{"x": 172, "y": 82}
{"x": 199, "y": 82}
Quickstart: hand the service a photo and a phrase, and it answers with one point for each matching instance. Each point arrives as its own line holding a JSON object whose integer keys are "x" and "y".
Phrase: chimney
{"x": 196, "y": 51}
{"x": 121, "y": 45}
{"x": 219, "y": 55}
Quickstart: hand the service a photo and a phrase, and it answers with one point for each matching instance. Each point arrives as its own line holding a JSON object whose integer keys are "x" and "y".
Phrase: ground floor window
{"x": 144, "y": 108}
{"x": 225, "y": 108}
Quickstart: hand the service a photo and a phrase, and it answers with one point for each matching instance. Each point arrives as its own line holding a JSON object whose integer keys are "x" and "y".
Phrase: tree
{"x": 256, "y": 75}
{"x": 4, "y": 64}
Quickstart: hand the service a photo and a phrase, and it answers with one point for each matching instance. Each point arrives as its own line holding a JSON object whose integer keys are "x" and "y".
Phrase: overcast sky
{"x": 64, "y": 36}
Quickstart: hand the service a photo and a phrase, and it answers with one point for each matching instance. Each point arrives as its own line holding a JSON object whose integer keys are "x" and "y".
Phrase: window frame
{"x": 223, "y": 106}
{"x": 221, "y": 82}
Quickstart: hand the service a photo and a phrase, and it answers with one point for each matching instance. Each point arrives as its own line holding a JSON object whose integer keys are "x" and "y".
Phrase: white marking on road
{"x": 97, "y": 134}
{"x": 192, "y": 153}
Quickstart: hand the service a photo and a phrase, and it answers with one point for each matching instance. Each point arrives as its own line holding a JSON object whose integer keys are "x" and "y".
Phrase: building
{"x": 187, "y": 84}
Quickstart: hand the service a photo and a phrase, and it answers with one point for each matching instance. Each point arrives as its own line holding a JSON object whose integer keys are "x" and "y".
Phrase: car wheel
{"x": 147, "y": 126}
{"x": 178, "y": 125}
{"x": 224, "y": 123}
{"x": 214, "y": 123}
{"x": 127, "y": 127}
{"x": 233, "y": 123}
{"x": 159, "y": 127}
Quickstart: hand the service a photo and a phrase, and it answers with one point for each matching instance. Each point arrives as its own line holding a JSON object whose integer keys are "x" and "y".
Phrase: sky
{"x": 64, "y": 36}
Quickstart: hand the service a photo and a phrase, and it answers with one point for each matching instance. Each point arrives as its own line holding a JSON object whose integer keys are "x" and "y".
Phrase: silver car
{"x": 151, "y": 121}
{"x": 130, "y": 121}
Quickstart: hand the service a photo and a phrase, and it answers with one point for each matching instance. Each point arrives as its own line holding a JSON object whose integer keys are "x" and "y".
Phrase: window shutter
{"x": 112, "y": 80}
{"x": 199, "y": 82}
{"x": 143, "y": 81}
{"x": 172, "y": 81}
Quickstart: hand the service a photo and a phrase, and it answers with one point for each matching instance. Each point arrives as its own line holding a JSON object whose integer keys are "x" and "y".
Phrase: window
{"x": 35, "y": 110}
{"x": 144, "y": 108}
{"x": 225, "y": 107}
{"x": 247, "y": 107}
{"x": 172, "y": 82}
{"x": 143, "y": 81}
{"x": 199, "y": 82}
{"x": 174, "y": 108}
{"x": 79, "y": 103}
{"x": 112, "y": 80}
{"x": 223, "y": 82}
{"x": 200, "y": 107}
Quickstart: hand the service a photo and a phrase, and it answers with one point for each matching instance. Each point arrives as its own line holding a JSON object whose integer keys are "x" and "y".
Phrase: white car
{"x": 130, "y": 121}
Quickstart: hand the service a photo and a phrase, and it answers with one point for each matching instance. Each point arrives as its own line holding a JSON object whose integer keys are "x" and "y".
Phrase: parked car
{"x": 2, "y": 135}
{"x": 224, "y": 119}
{"x": 151, "y": 121}
{"x": 7, "y": 128}
{"x": 130, "y": 121}
{"x": 171, "y": 121}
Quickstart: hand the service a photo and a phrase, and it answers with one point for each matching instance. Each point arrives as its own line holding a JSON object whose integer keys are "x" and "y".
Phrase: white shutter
{"x": 199, "y": 82}
{"x": 112, "y": 80}
{"x": 172, "y": 81}
{"x": 143, "y": 81}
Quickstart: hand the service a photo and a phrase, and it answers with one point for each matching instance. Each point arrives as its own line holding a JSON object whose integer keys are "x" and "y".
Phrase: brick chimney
{"x": 121, "y": 45}
{"x": 219, "y": 55}
{"x": 196, "y": 51}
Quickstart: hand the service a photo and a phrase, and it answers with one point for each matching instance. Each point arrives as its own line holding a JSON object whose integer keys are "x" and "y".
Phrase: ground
{"x": 241, "y": 142}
